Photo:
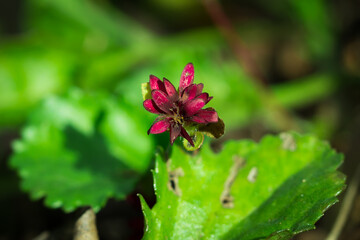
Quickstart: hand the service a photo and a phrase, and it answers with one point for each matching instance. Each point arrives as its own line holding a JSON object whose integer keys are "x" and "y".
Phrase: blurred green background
{"x": 307, "y": 52}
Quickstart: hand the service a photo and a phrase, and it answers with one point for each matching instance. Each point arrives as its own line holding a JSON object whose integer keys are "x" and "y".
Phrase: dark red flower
{"x": 178, "y": 108}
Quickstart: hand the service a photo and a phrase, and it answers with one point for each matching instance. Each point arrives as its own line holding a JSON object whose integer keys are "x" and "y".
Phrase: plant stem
{"x": 346, "y": 206}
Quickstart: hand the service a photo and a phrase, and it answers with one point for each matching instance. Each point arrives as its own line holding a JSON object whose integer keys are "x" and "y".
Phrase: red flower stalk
{"x": 178, "y": 108}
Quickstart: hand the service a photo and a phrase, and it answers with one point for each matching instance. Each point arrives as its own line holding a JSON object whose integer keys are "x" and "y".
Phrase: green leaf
{"x": 274, "y": 189}
{"x": 81, "y": 149}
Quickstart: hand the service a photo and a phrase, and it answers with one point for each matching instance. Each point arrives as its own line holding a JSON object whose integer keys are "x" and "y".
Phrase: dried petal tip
{"x": 175, "y": 130}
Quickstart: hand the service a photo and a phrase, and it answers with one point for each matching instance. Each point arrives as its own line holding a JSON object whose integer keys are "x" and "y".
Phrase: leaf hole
{"x": 227, "y": 201}
{"x": 173, "y": 183}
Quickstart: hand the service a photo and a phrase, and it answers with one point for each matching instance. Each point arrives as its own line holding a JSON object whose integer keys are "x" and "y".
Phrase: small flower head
{"x": 180, "y": 108}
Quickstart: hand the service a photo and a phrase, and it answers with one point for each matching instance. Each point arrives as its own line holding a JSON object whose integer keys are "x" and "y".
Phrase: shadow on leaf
{"x": 94, "y": 155}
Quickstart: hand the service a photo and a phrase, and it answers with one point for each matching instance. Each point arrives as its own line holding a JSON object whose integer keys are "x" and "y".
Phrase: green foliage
{"x": 81, "y": 20}
{"x": 100, "y": 45}
{"x": 276, "y": 189}
{"x": 315, "y": 18}
{"x": 316, "y": 87}
{"x": 81, "y": 149}
{"x": 27, "y": 74}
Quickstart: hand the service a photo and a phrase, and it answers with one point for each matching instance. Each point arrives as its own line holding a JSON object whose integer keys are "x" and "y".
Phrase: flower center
{"x": 178, "y": 119}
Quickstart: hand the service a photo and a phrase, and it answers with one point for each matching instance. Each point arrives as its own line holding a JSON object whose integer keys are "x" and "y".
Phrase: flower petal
{"x": 150, "y": 106}
{"x": 170, "y": 89}
{"x": 185, "y": 135}
{"x": 159, "y": 127}
{"x": 175, "y": 130}
{"x": 161, "y": 100}
{"x": 156, "y": 83}
{"x": 187, "y": 77}
{"x": 205, "y": 97}
{"x": 205, "y": 116}
{"x": 199, "y": 88}
{"x": 193, "y": 106}
{"x": 189, "y": 93}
